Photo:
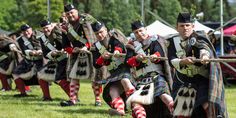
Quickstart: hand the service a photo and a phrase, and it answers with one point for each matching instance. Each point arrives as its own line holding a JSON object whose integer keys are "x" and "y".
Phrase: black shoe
{"x": 67, "y": 103}
{"x": 78, "y": 100}
{"x": 47, "y": 99}
{"x": 114, "y": 112}
{"x": 20, "y": 95}
{"x": 4, "y": 90}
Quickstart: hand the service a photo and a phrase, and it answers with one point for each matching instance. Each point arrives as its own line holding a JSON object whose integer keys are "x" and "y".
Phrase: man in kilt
{"x": 55, "y": 69}
{"x": 108, "y": 47}
{"x": 7, "y": 60}
{"x": 25, "y": 71}
{"x": 198, "y": 89}
{"x": 151, "y": 75}
{"x": 77, "y": 45}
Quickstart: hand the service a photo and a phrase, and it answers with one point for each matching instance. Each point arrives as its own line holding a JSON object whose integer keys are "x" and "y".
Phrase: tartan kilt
{"x": 101, "y": 75}
{"x": 160, "y": 86}
{"x": 6, "y": 66}
{"x": 27, "y": 69}
{"x": 81, "y": 66}
{"x": 114, "y": 80}
{"x": 53, "y": 71}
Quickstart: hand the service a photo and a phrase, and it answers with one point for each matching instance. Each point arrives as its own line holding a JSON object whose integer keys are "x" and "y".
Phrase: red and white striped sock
{"x": 119, "y": 105}
{"x": 138, "y": 111}
{"x": 97, "y": 90}
{"x": 74, "y": 88}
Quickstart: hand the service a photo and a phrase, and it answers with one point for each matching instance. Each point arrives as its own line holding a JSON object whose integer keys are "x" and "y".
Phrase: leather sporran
{"x": 144, "y": 93}
{"x": 184, "y": 102}
{"x": 81, "y": 67}
{"x": 48, "y": 72}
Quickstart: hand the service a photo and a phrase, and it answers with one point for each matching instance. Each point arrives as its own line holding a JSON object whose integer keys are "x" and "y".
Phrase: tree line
{"x": 114, "y": 13}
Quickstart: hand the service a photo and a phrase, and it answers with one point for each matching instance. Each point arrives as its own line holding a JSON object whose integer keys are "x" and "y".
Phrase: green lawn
{"x": 34, "y": 107}
{"x": 230, "y": 101}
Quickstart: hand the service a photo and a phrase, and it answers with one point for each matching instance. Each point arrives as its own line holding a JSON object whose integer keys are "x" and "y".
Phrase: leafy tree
{"x": 115, "y": 13}
{"x": 5, "y": 10}
{"x": 94, "y": 8}
{"x": 189, "y": 5}
{"x": 166, "y": 12}
{"x": 32, "y": 12}
{"x": 119, "y": 14}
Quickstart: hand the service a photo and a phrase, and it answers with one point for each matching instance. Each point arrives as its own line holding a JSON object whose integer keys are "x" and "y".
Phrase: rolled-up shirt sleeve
{"x": 27, "y": 52}
{"x": 204, "y": 52}
{"x": 175, "y": 62}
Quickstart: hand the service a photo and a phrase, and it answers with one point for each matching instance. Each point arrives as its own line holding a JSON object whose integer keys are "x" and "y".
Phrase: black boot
{"x": 20, "y": 95}
{"x": 67, "y": 103}
{"x": 47, "y": 99}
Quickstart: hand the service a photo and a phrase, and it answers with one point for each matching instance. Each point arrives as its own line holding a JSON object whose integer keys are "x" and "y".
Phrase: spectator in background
{"x": 214, "y": 41}
{"x": 231, "y": 45}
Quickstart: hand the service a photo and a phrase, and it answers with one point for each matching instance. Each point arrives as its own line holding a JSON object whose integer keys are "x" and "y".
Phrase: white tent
{"x": 160, "y": 29}
{"x": 200, "y": 27}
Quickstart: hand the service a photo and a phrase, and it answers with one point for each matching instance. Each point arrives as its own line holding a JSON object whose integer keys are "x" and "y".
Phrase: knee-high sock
{"x": 138, "y": 111}
{"x": 65, "y": 85}
{"x": 74, "y": 88}
{"x": 119, "y": 105}
{"x": 5, "y": 84}
{"x": 20, "y": 85}
{"x": 97, "y": 90}
{"x": 45, "y": 88}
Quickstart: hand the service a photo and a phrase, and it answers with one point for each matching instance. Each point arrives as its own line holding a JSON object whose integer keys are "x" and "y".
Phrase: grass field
{"x": 34, "y": 107}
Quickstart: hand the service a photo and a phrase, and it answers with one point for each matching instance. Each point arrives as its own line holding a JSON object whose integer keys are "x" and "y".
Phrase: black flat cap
{"x": 24, "y": 27}
{"x": 96, "y": 26}
{"x": 45, "y": 23}
{"x": 68, "y": 7}
{"x": 136, "y": 25}
{"x": 184, "y": 17}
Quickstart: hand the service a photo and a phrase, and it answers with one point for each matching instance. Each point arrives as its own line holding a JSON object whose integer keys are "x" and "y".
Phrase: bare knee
{"x": 127, "y": 85}
{"x": 114, "y": 92}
